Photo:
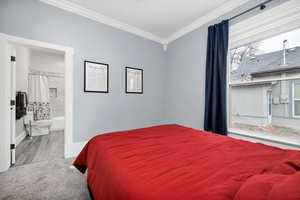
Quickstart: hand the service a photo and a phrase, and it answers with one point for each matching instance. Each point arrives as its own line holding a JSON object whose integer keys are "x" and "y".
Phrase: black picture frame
{"x": 85, "y": 78}
{"x": 142, "y": 81}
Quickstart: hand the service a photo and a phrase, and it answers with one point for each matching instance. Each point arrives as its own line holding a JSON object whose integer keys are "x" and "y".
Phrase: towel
{"x": 21, "y": 104}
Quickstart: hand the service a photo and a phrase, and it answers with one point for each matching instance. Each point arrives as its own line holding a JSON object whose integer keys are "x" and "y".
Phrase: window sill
{"x": 269, "y": 139}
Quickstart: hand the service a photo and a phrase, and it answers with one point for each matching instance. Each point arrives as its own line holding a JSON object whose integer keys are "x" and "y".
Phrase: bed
{"x": 172, "y": 162}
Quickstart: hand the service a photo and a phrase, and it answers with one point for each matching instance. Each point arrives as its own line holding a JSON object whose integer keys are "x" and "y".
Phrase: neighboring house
{"x": 267, "y": 103}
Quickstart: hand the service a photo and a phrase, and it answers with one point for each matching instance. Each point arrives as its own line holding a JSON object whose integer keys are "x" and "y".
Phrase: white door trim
{"x": 13, "y": 107}
{"x": 69, "y": 94}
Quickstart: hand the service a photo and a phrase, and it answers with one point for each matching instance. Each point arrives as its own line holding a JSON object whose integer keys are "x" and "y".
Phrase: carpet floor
{"x": 53, "y": 180}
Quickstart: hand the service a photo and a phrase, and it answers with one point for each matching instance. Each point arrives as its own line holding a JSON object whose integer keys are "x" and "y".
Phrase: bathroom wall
{"x": 43, "y": 60}
{"x": 57, "y": 95}
{"x": 53, "y": 65}
{"x": 22, "y": 67}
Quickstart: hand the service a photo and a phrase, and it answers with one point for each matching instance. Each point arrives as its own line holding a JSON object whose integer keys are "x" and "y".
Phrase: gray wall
{"x": 95, "y": 113}
{"x": 174, "y": 82}
{"x": 186, "y": 59}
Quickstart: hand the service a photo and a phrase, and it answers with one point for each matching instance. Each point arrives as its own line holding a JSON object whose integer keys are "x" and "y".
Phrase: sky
{"x": 276, "y": 43}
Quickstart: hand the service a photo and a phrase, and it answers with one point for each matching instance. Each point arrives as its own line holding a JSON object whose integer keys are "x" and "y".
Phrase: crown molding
{"x": 225, "y": 8}
{"x": 79, "y": 10}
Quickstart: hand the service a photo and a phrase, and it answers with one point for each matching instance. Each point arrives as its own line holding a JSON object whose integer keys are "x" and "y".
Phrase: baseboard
{"x": 75, "y": 149}
{"x": 20, "y": 138}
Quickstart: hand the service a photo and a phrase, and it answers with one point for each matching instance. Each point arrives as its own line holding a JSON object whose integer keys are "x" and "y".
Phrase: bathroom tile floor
{"x": 40, "y": 148}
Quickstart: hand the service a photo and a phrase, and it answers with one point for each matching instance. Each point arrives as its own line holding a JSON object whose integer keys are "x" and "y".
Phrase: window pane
{"x": 269, "y": 58}
{"x": 265, "y": 110}
{"x": 297, "y": 91}
{"x": 297, "y": 108}
{"x": 260, "y": 101}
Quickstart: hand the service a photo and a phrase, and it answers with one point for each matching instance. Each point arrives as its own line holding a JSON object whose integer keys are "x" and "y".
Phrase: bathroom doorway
{"x": 37, "y": 126}
{"x": 39, "y": 110}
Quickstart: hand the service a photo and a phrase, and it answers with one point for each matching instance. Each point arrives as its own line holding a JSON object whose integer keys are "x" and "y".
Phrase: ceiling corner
{"x": 227, "y": 7}
{"x": 82, "y": 11}
{"x": 79, "y": 10}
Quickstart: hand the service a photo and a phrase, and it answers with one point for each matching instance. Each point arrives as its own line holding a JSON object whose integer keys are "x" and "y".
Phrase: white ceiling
{"x": 159, "y": 20}
{"x": 159, "y": 17}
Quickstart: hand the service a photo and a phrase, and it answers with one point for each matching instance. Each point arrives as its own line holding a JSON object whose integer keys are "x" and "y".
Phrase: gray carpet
{"x": 53, "y": 180}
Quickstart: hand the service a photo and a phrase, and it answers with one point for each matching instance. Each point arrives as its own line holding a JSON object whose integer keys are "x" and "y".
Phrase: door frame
{"x": 7, "y": 40}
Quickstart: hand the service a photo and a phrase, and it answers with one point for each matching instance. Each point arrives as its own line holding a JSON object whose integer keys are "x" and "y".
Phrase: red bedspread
{"x": 172, "y": 162}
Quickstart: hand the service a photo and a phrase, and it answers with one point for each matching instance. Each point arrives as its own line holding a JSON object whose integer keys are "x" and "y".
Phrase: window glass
{"x": 265, "y": 58}
{"x": 297, "y": 108}
{"x": 260, "y": 100}
{"x": 297, "y": 91}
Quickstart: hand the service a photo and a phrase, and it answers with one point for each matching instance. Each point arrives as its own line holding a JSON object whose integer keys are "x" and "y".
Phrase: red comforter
{"x": 172, "y": 162}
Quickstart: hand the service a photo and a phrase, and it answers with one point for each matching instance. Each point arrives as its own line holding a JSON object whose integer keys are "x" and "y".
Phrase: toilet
{"x": 41, "y": 127}
{"x": 36, "y": 128}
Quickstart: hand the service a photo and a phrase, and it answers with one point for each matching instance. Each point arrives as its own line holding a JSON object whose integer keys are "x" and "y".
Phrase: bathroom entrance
{"x": 36, "y": 110}
{"x": 38, "y": 104}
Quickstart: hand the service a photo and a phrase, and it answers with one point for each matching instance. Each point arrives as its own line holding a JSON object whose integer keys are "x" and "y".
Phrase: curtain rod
{"x": 48, "y": 74}
{"x": 261, "y": 6}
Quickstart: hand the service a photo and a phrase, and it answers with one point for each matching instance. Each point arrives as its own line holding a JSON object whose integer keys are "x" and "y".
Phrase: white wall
{"x": 22, "y": 67}
{"x": 248, "y": 105}
{"x": 249, "y": 100}
{"x": 54, "y": 63}
{"x": 4, "y": 109}
{"x": 46, "y": 61}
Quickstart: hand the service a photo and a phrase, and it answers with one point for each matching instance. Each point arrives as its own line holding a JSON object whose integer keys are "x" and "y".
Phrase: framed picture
{"x": 96, "y": 77}
{"x": 133, "y": 80}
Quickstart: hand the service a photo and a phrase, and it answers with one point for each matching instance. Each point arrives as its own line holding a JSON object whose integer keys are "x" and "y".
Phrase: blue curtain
{"x": 215, "y": 119}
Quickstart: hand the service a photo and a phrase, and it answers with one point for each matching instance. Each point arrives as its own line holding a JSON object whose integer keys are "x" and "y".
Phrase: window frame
{"x": 294, "y": 99}
{"x": 256, "y": 28}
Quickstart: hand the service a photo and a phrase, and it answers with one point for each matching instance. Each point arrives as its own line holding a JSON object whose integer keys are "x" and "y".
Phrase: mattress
{"x": 172, "y": 162}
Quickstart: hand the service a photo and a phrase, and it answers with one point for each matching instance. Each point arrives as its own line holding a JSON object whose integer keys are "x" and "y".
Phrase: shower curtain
{"x": 38, "y": 97}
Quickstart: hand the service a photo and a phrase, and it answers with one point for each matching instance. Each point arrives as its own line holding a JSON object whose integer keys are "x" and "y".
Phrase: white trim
{"x": 69, "y": 52}
{"x": 69, "y": 96}
{"x": 293, "y": 101}
{"x": 74, "y": 8}
{"x": 76, "y": 148}
{"x": 227, "y": 7}
{"x": 36, "y": 43}
{"x": 165, "y": 47}
{"x": 263, "y": 81}
{"x": 256, "y": 138}
{"x": 79, "y": 10}
{"x": 4, "y": 105}
{"x": 20, "y": 138}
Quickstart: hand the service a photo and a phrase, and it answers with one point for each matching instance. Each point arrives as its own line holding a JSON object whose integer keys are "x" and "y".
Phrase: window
{"x": 264, "y": 88}
{"x": 296, "y": 99}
